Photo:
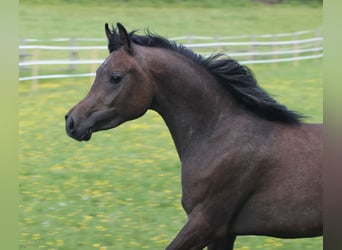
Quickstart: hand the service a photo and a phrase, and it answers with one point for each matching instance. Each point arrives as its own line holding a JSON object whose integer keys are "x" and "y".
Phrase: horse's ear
{"x": 110, "y": 37}
{"x": 109, "y": 34}
{"x": 124, "y": 38}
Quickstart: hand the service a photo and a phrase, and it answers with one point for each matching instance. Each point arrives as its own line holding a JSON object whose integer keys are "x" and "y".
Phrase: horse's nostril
{"x": 70, "y": 123}
{"x": 66, "y": 117}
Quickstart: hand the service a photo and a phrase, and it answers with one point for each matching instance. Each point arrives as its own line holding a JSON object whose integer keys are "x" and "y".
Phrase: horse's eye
{"x": 115, "y": 78}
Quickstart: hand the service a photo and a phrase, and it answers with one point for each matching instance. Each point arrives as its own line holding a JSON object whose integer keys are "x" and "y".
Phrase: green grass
{"x": 70, "y": 20}
{"x": 122, "y": 189}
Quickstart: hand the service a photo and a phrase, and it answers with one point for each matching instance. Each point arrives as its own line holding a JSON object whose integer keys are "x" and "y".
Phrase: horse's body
{"x": 249, "y": 166}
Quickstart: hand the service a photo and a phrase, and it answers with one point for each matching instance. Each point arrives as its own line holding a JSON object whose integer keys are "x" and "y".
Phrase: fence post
{"x": 93, "y": 66}
{"x": 35, "y": 69}
{"x": 251, "y": 48}
{"x": 219, "y": 48}
{"x": 274, "y": 50}
{"x": 73, "y": 54}
{"x": 22, "y": 54}
{"x": 295, "y": 47}
{"x": 190, "y": 39}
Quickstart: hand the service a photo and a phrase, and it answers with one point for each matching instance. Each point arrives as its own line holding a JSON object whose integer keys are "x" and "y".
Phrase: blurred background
{"x": 122, "y": 190}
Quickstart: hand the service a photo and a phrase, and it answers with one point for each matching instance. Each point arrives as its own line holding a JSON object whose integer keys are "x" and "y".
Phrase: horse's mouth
{"x": 87, "y": 135}
{"x": 100, "y": 120}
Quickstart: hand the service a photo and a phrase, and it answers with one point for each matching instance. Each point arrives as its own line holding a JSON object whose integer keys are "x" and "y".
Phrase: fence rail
{"x": 253, "y": 51}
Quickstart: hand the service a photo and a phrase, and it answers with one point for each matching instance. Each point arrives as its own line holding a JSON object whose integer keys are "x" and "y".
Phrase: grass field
{"x": 70, "y": 20}
{"x": 122, "y": 189}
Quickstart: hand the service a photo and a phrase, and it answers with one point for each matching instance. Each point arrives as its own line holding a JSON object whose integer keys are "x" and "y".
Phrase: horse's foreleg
{"x": 195, "y": 235}
{"x": 224, "y": 243}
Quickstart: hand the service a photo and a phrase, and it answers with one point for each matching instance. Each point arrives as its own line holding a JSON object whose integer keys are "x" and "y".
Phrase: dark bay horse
{"x": 250, "y": 166}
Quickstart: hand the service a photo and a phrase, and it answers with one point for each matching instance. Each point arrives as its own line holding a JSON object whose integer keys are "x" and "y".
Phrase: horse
{"x": 249, "y": 165}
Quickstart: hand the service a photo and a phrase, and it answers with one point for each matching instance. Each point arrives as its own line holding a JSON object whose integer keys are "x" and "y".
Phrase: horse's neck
{"x": 190, "y": 101}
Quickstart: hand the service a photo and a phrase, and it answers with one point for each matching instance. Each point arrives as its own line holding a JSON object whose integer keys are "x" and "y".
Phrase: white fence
{"x": 273, "y": 49}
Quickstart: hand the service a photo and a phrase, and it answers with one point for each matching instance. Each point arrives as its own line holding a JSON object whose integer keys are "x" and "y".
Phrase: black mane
{"x": 236, "y": 78}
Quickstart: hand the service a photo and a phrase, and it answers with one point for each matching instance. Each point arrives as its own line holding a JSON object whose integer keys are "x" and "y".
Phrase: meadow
{"x": 122, "y": 190}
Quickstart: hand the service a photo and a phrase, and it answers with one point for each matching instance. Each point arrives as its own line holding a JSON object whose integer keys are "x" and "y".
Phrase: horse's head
{"x": 121, "y": 91}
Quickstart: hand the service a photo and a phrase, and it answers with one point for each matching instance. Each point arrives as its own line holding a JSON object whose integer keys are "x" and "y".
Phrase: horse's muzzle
{"x": 74, "y": 133}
